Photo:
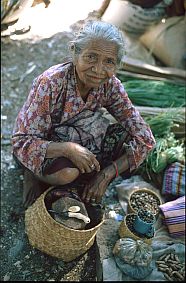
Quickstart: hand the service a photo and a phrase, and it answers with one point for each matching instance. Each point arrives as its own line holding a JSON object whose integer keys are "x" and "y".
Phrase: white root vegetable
{"x": 78, "y": 215}
{"x": 74, "y": 208}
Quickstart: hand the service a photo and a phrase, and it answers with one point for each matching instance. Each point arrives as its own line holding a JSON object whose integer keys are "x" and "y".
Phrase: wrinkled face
{"x": 96, "y": 64}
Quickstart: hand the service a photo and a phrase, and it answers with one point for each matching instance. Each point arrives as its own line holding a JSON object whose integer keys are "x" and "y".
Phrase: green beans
{"x": 162, "y": 123}
{"x": 155, "y": 93}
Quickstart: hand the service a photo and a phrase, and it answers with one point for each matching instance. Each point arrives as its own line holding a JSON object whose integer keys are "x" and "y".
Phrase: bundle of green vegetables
{"x": 168, "y": 149}
{"x": 163, "y": 123}
{"x": 155, "y": 93}
{"x": 159, "y": 94}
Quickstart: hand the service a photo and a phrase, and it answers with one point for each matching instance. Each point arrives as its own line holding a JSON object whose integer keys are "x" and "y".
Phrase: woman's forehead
{"x": 101, "y": 46}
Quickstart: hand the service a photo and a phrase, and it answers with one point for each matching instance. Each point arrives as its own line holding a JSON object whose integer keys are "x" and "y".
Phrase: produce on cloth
{"x": 166, "y": 151}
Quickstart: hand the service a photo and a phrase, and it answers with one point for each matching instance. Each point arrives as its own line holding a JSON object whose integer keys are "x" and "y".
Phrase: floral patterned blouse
{"x": 54, "y": 99}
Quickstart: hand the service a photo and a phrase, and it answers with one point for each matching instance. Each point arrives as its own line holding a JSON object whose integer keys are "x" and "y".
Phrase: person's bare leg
{"x": 34, "y": 186}
{"x": 61, "y": 177}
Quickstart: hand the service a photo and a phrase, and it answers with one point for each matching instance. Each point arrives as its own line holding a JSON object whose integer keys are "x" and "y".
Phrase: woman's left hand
{"x": 95, "y": 189}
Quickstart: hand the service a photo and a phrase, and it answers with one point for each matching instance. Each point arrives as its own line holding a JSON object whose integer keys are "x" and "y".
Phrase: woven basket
{"x": 125, "y": 232}
{"x": 130, "y": 209}
{"x": 53, "y": 238}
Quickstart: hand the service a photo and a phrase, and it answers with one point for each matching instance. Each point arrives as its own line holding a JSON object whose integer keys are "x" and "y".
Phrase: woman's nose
{"x": 98, "y": 68}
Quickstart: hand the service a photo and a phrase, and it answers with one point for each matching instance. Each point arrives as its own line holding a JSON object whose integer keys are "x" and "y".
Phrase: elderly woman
{"x": 60, "y": 135}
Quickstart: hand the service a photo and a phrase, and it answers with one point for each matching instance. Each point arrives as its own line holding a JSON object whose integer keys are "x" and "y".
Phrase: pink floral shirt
{"x": 54, "y": 99}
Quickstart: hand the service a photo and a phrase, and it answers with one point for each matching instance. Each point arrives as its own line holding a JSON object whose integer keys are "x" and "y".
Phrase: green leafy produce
{"x": 162, "y": 123}
{"x": 160, "y": 94}
{"x": 155, "y": 93}
{"x": 166, "y": 151}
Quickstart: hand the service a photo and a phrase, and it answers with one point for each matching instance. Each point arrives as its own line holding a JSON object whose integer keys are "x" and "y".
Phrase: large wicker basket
{"x": 53, "y": 238}
{"x": 125, "y": 232}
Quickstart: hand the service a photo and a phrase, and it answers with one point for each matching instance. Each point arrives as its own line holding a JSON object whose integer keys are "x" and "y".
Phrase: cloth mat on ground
{"x": 161, "y": 243}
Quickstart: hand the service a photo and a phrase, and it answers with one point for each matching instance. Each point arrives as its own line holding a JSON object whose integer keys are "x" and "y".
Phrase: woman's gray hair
{"x": 97, "y": 30}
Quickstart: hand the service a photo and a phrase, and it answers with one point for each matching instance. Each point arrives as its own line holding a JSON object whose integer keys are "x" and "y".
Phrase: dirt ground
{"x": 21, "y": 62}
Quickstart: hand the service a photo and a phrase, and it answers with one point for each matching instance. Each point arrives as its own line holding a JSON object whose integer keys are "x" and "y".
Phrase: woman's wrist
{"x": 116, "y": 168}
{"x": 57, "y": 149}
{"x": 109, "y": 172}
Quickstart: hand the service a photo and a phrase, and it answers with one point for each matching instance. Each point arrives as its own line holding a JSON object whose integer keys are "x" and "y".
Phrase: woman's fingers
{"x": 94, "y": 191}
{"x": 89, "y": 193}
{"x": 84, "y": 194}
{"x": 98, "y": 199}
{"x": 84, "y": 159}
{"x": 89, "y": 167}
{"x": 88, "y": 164}
{"x": 95, "y": 164}
{"x": 86, "y": 168}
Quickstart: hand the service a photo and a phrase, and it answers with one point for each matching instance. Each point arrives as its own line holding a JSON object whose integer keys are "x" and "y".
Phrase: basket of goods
{"x": 59, "y": 224}
{"x": 144, "y": 198}
{"x": 126, "y": 229}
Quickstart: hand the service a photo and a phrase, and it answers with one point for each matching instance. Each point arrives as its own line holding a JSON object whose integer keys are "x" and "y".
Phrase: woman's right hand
{"x": 83, "y": 158}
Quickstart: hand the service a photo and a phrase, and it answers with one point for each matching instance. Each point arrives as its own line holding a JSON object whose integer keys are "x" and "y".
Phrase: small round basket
{"x": 125, "y": 232}
{"x": 145, "y": 198}
{"x": 53, "y": 238}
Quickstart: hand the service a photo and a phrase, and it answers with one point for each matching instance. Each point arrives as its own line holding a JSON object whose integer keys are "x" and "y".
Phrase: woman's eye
{"x": 90, "y": 57}
{"x": 110, "y": 61}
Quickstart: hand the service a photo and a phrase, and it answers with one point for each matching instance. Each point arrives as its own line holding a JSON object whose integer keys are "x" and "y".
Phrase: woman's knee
{"x": 61, "y": 177}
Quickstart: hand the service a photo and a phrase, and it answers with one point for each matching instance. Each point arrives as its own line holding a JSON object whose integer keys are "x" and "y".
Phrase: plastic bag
{"x": 166, "y": 41}
{"x": 134, "y": 252}
{"x": 134, "y": 271}
{"x": 133, "y": 257}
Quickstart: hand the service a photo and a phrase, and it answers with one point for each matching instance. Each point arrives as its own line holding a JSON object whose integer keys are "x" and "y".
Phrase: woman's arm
{"x": 32, "y": 125}
{"x": 79, "y": 155}
{"x": 138, "y": 142}
{"x": 139, "y": 139}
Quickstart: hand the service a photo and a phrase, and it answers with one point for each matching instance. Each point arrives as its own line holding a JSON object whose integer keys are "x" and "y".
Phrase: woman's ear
{"x": 72, "y": 47}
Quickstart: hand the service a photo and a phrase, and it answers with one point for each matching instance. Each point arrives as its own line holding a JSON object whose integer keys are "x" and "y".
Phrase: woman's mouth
{"x": 96, "y": 79}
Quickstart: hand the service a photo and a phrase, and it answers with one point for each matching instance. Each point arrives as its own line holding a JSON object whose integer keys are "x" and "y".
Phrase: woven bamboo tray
{"x": 125, "y": 232}
{"x": 130, "y": 209}
{"x": 53, "y": 238}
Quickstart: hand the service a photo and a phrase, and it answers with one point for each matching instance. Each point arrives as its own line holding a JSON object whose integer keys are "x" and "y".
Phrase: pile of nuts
{"x": 145, "y": 200}
{"x": 130, "y": 218}
{"x": 171, "y": 266}
{"x": 146, "y": 216}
